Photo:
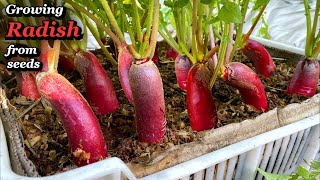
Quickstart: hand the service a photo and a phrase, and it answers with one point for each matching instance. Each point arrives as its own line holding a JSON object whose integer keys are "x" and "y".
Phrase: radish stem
{"x": 104, "y": 49}
{"x": 240, "y": 29}
{"x": 316, "y": 51}
{"x": 229, "y": 46}
{"x": 164, "y": 33}
{"x": 222, "y": 54}
{"x": 315, "y": 22}
{"x": 136, "y": 20}
{"x": 212, "y": 52}
{"x": 154, "y": 32}
{"x": 112, "y": 20}
{"x": 247, "y": 35}
{"x": 194, "y": 29}
{"x": 127, "y": 25}
{"x": 98, "y": 22}
{"x": 199, "y": 30}
{"x": 308, "y": 50}
{"x": 148, "y": 25}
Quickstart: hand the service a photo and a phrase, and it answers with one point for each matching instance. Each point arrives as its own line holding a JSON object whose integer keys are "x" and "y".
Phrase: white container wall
{"x": 277, "y": 151}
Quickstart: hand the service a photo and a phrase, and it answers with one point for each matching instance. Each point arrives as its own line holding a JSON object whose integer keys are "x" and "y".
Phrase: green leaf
{"x": 264, "y": 30}
{"x": 206, "y": 1}
{"x": 259, "y": 3}
{"x": 315, "y": 165}
{"x": 213, "y": 20}
{"x": 270, "y": 176}
{"x": 230, "y": 13}
{"x": 304, "y": 173}
{"x": 168, "y": 3}
{"x": 181, "y": 3}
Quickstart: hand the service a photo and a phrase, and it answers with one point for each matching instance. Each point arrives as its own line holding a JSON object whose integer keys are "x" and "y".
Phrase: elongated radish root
{"x": 26, "y": 84}
{"x": 83, "y": 130}
{"x": 66, "y": 62}
{"x": 182, "y": 66}
{"x": 147, "y": 91}
{"x": 171, "y": 53}
{"x": 248, "y": 83}
{"x": 125, "y": 60}
{"x": 305, "y": 78}
{"x": 200, "y": 103}
{"x": 259, "y": 57}
{"x": 99, "y": 88}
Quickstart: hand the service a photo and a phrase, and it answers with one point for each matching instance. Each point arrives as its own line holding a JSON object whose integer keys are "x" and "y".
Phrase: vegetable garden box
{"x": 276, "y": 141}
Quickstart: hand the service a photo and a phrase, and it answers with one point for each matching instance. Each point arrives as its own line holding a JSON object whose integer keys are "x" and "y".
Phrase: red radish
{"x": 83, "y": 130}
{"x": 182, "y": 66}
{"x": 147, "y": 91}
{"x": 200, "y": 103}
{"x": 171, "y": 53}
{"x": 26, "y": 84}
{"x": 248, "y": 83}
{"x": 125, "y": 60}
{"x": 66, "y": 62}
{"x": 305, "y": 78}
{"x": 260, "y": 58}
{"x": 99, "y": 88}
{"x": 155, "y": 57}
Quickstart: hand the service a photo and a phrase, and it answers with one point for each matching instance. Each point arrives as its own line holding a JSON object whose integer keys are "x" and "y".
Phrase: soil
{"x": 46, "y": 140}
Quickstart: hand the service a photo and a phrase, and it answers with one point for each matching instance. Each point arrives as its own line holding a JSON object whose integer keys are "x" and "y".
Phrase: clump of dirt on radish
{"x": 46, "y": 140}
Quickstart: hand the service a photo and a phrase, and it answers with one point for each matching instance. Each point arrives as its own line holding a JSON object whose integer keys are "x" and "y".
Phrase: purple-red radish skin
{"x": 99, "y": 88}
{"x": 171, "y": 53}
{"x": 67, "y": 63}
{"x": 305, "y": 78}
{"x": 248, "y": 83}
{"x": 182, "y": 66}
{"x": 260, "y": 58}
{"x": 200, "y": 104}
{"x": 83, "y": 130}
{"x": 26, "y": 84}
{"x": 155, "y": 57}
{"x": 125, "y": 60}
{"x": 147, "y": 91}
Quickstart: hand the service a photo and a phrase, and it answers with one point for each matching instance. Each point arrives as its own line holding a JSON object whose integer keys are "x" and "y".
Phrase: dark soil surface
{"x": 46, "y": 140}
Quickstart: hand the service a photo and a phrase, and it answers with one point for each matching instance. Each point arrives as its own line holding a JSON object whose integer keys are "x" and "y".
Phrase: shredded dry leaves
{"x": 81, "y": 154}
{"x": 46, "y": 140}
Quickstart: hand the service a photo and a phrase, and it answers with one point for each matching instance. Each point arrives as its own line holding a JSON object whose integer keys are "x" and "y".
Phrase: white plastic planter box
{"x": 278, "y": 151}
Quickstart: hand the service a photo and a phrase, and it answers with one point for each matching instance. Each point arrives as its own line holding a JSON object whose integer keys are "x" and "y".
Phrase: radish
{"x": 259, "y": 57}
{"x": 66, "y": 62}
{"x": 83, "y": 130}
{"x": 26, "y": 84}
{"x": 147, "y": 91}
{"x": 305, "y": 78}
{"x": 155, "y": 57}
{"x": 306, "y": 75}
{"x": 248, "y": 83}
{"x": 171, "y": 53}
{"x": 99, "y": 88}
{"x": 182, "y": 66}
{"x": 200, "y": 103}
{"x": 124, "y": 63}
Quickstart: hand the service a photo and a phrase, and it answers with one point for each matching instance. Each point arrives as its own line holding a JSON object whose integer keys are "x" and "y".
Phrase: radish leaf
{"x": 270, "y": 176}
{"x": 181, "y": 3}
{"x": 259, "y": 3}
{"x": 230, "y": 13}
{"x": 206, "y": 1}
